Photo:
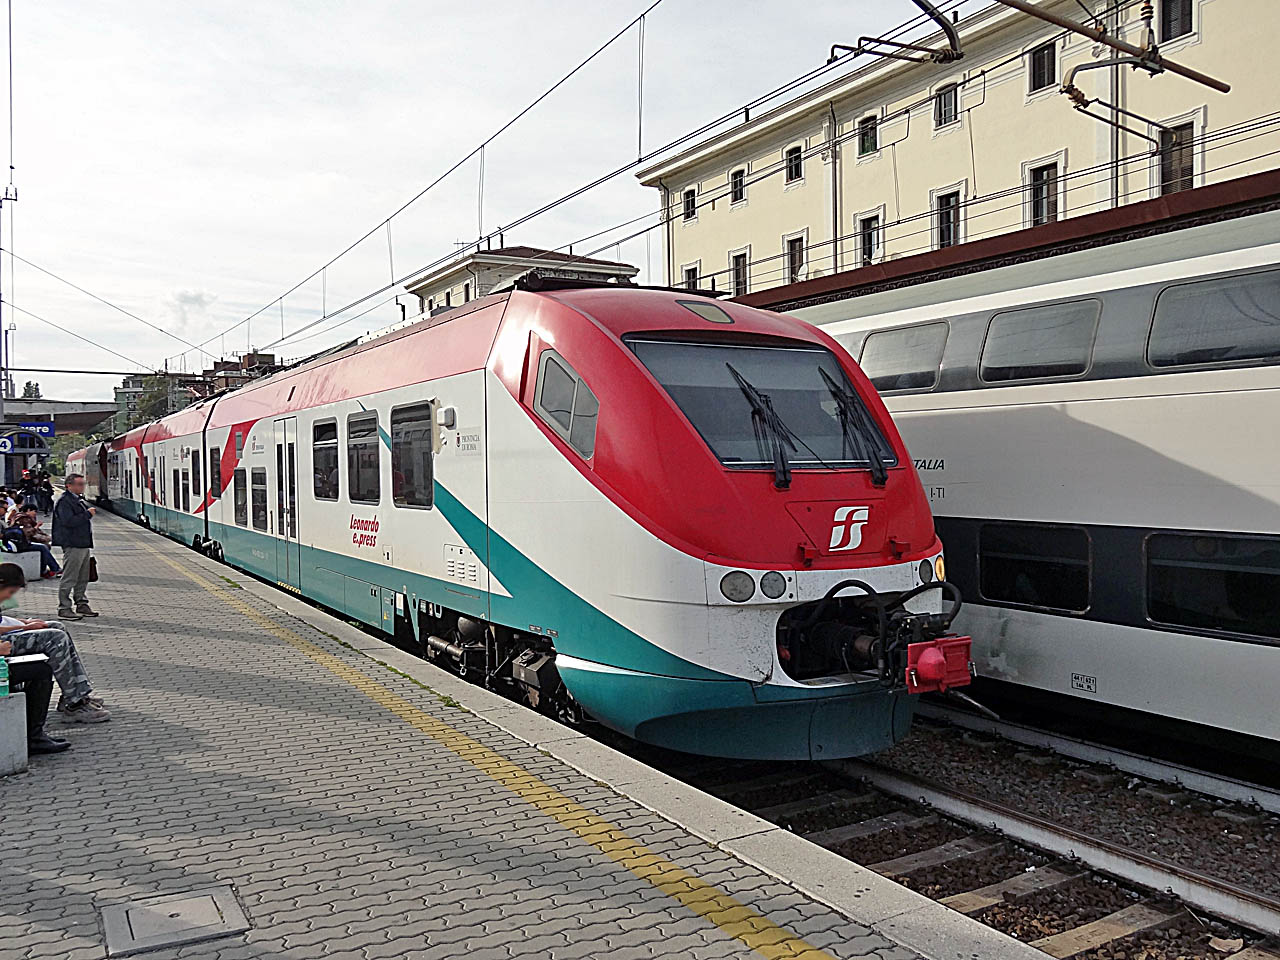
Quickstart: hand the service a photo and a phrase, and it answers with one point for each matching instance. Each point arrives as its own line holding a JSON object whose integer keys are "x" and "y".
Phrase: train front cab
{"x": 705, "y": 597}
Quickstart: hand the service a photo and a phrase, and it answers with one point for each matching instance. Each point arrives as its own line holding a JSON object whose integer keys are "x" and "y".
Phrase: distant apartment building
{"x": 167, "y": 392}
{"x": 475, "y": 274}
{"x": 895, "y": 158}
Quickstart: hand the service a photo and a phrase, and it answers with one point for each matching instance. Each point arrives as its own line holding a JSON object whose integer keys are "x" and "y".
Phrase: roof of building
{"x": 523, "y": 257}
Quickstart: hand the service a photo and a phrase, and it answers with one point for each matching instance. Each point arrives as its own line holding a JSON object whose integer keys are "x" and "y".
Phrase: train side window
{"x": 904, "y": 359}
{"x": 259, "y": 478}
{"x": 1035, "y": 565}
{"x": 240, "y": 494}
{"x": 363, "y": 481}
{"x": 1214, "y": 582}
{"x": 186, "y": 491}
{"x": 567, "y": 404}
{"x": 195, "y": 477}
{"x": 324, "y": 460}
{"x": 177, "y": 490}
{"x": 411, "y": 466}
{"x": 1054, "y": 340}
{"x": 239, "y": 444}
{"x": 1224, "y": 320}
{"x": 215, "y": 473}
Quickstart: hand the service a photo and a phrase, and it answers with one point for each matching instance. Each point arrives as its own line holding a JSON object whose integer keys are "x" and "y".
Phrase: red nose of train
{"x": 938, "y": 665}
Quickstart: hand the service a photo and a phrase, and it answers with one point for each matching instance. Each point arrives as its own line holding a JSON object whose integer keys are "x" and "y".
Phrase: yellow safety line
{"x": 734, "y": 918}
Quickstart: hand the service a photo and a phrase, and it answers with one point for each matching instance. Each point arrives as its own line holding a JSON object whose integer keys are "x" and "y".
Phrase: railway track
{"x": 1068, "y": 894}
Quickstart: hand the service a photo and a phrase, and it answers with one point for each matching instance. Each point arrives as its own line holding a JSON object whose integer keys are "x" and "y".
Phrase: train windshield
{"x": 818, "y": 416}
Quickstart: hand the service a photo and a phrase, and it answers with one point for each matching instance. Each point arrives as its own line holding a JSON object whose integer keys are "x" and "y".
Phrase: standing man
{"x": 73, "y": 532}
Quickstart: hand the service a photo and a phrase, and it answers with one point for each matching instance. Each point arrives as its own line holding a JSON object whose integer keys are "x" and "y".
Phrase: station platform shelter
{"x": 275, "y": 783}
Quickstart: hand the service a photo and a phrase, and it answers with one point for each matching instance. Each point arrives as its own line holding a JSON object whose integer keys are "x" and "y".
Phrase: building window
{"x": 691, "y": 278}
{"x": 324, "y": 460}
{"x": 566, "y": 403}
{"x": 1055, "y": 340}
{"x": 738, "y": 264}
{"x": 1044, "y": 67}
{"x": 431, "y": 304}
{"x": 946, "y": 105}
{"x": 1209, "y": 582}
{"x": 737, "y": 186}
{"x": 1044, "y": 194}
{"x": 1175, "y": 19}
{"x": 1034, "y": 565}
{"x": 908, "y": 358}
{"x": 795, "y": 164}
{"x": 1220, "y": 321}
{"x": 1177, "y": 158}
{"x": 448, "y": 298}
{"x": 215, "y": 473}
{"x": 690, "y": 204}
{"x": 466, "y": 292}
{"x": 240, "y": 491}
{"x": 948, "y": 219}
{"x": 868, "y": 240}
{"x": 411, "y": 456}
{"x": 868, "y": 135}
{"x": 795, "y": 259}
{"x": 259, "y": 478}
{"x": 363, "y": 484}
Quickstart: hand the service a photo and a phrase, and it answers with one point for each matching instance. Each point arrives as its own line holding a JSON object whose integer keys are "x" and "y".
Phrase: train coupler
{"x": 935, "y": 666}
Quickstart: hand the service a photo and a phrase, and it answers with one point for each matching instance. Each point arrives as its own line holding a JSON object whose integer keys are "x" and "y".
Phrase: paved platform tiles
{"x": 358, "y": 813}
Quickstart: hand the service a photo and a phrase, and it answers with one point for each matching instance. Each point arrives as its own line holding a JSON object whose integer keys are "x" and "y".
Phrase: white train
{"x": 1099, "y": 433}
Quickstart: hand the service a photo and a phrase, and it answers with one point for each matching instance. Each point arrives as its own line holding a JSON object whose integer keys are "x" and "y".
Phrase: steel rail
{"x": 1190, "y": 778}
{"x": 1250, "y": 908}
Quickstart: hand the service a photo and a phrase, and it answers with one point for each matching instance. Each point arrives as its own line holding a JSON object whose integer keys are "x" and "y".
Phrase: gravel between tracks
{"x": 1184, "y": 831}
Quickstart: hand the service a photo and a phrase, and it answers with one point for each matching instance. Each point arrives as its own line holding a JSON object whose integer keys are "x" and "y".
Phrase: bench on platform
{"x": 13, "y": 734}
{"x": 28, "y": 560}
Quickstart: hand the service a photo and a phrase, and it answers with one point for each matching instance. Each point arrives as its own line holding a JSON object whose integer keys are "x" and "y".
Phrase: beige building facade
{"x": 897, "y": 158}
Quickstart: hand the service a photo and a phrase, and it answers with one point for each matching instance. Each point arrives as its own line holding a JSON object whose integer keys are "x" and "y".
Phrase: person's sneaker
{"x": 68, "y": 615}
{"x": 85, "y": 712}
{"x": 86, "y": 612}
{"x": 96, "y": 701}
{"x": 51, "y": 575}
{"x": 44, "y": 744}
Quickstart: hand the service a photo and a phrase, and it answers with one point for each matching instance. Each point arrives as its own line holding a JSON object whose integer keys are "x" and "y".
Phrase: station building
{"x": 896, "y": 158}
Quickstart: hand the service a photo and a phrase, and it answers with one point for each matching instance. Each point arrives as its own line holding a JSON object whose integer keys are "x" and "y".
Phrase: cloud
{"x": 188, "y": 310}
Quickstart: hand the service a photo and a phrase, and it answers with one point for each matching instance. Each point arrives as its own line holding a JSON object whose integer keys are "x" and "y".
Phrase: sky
{"x": 191, "y": 162}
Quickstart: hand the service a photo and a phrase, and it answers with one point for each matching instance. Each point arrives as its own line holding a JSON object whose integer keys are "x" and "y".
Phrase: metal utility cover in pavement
{"x": 155, "y": 922}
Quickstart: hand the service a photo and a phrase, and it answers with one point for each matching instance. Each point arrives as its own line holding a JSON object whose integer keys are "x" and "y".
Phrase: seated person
{"x": 37, "y": 683}
{"x": 29, "y": 520}
{"x": 17, "y": 535}
{"x": 51, "y": 638}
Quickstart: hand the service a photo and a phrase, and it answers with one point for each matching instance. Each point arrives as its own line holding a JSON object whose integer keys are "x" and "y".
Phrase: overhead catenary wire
{"x": 79, "y": 336}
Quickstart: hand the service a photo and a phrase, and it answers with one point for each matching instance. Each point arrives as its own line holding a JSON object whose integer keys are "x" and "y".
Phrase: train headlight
{"x": 939, "y": 568}
{"x": 926, "y": 571}
{"x": 773, "y": 584}
{"x": 737, "y": 586}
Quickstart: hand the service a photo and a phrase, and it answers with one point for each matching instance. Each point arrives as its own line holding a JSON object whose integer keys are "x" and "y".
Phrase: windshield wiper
{"x": 859, "y": 432}
{"x": 772, "y": 435}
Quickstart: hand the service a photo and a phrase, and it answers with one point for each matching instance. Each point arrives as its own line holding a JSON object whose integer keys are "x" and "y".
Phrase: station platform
{"x": 276, "y": 783}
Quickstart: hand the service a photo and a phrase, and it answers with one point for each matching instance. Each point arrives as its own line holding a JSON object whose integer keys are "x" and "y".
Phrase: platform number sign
{"x": 1080, "y": 681}
{"x": 6, "y": 445}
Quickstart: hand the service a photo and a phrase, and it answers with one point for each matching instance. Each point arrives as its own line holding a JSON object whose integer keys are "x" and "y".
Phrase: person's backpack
{"x": 18, "y": 537}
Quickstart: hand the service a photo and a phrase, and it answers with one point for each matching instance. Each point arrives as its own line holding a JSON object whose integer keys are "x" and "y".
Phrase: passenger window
{"x": 324, "y": 460}
{"x": 239, "y": 444}
{"x": 186, "y": 491}
{"x": 905, "y": 359}
{"x": 363, "y": 484}
{"x": 215, "y": 473}
{"x": 1035, "y": 565}
{"x": 1049, "y": 341}
{"x": 259, "y": 478}
{"x": 567, "y": 404}
{"x": 1217, "y": 321}
{"x": 240, "y": 492}
{"x": 411, "y": 431}
{"x": 195, "y": 477}
{"x": 1215, "y": 582}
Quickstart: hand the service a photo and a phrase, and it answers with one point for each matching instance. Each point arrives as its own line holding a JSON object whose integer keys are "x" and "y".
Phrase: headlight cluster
{"x": 739, "y": 586}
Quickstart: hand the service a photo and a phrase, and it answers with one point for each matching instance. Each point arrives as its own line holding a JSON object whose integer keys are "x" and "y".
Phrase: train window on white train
{"x": 1054, "y": 340}
{"x": 904, "y": 359}
{"x": 195, "y": 477}
{"x": 1035, "y": 565}
{"x": 186, "y": 491}
{"x": 567, "y": 404}
{"x": 324, "y": 460}
{"x": 1208, "y": 582}
{"x": 259, "y": 478}
{"x": 215, "y": 473}
{"x": 411, "y": 466}
{"x": 1224, "y": 320}
{"x": 240, "y": 495}
{"x": 363, "y": 478}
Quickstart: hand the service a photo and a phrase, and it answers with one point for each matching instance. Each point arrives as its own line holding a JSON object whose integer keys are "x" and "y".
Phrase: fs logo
{"x": 846, "y": 531}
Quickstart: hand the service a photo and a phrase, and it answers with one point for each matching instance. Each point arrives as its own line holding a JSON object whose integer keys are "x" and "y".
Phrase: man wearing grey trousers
{"x": 73, "y": 531}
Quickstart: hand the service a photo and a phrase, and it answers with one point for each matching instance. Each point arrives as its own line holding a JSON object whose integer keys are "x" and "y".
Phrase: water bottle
{"x": 4, "y": 677}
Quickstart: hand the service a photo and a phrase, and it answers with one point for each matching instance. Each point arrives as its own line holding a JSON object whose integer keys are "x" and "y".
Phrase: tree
{"x": 31, "y": 391}
{"x": 154, "y": 402}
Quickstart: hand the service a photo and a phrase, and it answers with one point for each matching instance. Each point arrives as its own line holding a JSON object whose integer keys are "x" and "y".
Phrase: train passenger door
{"x": 288, "y": 560}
